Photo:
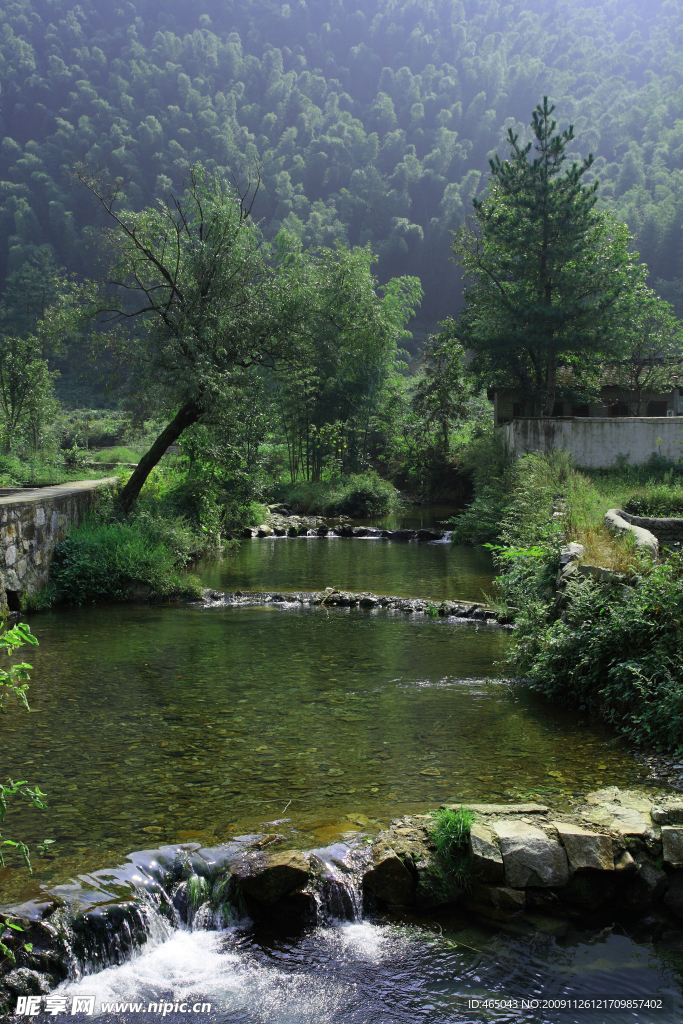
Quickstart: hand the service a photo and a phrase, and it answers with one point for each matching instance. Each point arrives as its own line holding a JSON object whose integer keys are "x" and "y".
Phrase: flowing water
{"x": 154, "y": 725}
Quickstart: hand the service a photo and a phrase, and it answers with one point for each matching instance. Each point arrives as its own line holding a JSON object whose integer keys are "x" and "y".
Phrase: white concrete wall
{"x": 597, "y": 441}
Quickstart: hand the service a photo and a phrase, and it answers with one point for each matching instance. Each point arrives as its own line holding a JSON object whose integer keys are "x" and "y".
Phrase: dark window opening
{"x": 558, "y": 409}
{"x": 656, "y": 408}
{"x": 13, "y": 600}
{"x": 580, "y": 410}
{"x": 518, "y": 409}
{"x": 619, "y": 409}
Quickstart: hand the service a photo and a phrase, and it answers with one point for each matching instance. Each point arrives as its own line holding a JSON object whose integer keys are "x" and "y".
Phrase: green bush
{"x": 618, "y": 654}
{"x": 360, "y": 496}
{"x": 112, "y": 561}
{"x": 118, "y": 454}
{"x": 657, "y": 500}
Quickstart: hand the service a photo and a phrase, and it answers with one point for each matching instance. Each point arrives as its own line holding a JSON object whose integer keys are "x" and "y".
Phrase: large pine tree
{"x": 546, "y": 268}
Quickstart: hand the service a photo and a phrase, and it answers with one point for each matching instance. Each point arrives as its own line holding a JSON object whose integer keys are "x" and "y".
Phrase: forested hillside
{"x": 367, "y": 125}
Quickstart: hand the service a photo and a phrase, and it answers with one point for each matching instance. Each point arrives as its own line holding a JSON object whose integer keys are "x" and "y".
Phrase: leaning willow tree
{"x": 197, "y": 295}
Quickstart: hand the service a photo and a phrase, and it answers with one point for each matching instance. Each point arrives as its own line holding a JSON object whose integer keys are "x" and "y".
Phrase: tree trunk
{"x": 184, "y": 418}
{"x": 551, "y": 388}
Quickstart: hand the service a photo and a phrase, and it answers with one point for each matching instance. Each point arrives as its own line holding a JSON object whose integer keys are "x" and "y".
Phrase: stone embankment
{"x": 32, "y": 523}
{"x": 619, "y": 851}
{"x": 454, "y": 610}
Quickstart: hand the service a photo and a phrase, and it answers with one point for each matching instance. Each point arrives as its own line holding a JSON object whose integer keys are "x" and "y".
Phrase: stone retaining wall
{"x": 32, "y": 522}
{"x": 667, "y": 531}
{"x": 597, "y": 442}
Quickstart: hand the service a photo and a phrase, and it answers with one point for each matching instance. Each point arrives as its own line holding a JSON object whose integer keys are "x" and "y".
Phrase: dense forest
{"x": 370, "y": 125}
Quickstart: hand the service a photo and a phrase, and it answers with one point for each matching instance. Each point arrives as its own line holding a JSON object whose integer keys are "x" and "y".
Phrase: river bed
{"x": 155, "y": 725}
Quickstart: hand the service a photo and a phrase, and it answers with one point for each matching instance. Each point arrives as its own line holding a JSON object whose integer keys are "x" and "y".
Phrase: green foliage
{"x": 450, "y": 832}
{"x": 112, "y": 561}
{"x": 16, "y": 679}
{"x": 361, "y": 496}
{"x": 116, "y": 454}
{"x": 492, "y": 469}
{"x": 617, "y": 654}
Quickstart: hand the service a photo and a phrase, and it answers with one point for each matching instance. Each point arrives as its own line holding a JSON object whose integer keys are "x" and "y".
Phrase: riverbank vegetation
{"x": 608, "y": 644}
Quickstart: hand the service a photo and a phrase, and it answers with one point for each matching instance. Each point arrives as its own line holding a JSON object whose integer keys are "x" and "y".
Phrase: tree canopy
{"x": 370, "y": 125}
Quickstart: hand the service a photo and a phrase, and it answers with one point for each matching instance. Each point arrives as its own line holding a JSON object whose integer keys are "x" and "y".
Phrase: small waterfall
{"x": 338, "y": 872}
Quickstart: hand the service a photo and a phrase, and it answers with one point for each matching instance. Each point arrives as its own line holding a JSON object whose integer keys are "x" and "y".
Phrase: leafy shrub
{"x": 361, "y": 496}
{"x": 110, "y": 561}
{"x": 658, "y": 500}
{"x": 617, "y": 654}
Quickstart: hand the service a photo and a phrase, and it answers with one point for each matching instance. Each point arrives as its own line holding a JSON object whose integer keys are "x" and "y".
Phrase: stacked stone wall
{"x": 31, "y": 526}
{"x": 667, "y": 531}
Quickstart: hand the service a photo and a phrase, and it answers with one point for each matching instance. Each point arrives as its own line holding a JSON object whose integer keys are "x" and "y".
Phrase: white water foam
{"x": 202, "y": 966}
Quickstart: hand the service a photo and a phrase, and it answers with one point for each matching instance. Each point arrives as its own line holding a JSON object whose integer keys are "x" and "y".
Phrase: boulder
{"x": 625, "y": 863}
{"x": 247, "y": 533}
{"x": 590, "y": 888}
{"x": 500, "y": 899}
{"x": 388, "y": 878}
{"x": 673, "y": 900}
{"x": 647, "y": 885}
{"x": 359, "y": 531}
{"x": 669, "y": 812}
{"x": 279, "y": 531}
{"x": 264, "y": 530}
{"x": 402, "y": 534}
{"x": 530, "y": 857}
{"x": 571, "y": 552}
{"x": 485, "y": 856}
{"x": 292, "y": 531}
{"x": 429, "y": 535}
{"x": 585, "y": 849}
{"x": 345, "y": 531}
{"x": 672, "y": 845}
{"x": 323, "y": 531}
{"x": 269, "y": 877}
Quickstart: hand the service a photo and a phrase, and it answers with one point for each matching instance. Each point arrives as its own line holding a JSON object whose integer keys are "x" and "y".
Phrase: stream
{"x": 156, "y": 725}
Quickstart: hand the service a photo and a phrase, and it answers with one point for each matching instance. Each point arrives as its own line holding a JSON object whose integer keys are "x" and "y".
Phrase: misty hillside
{"x": 370, "y": 124}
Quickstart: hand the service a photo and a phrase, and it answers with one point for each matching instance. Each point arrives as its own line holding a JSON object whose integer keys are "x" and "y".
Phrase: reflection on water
{"x": 416, "y": 569}
{"x": 163, "y": 724}
{"x": 373, "y": 973}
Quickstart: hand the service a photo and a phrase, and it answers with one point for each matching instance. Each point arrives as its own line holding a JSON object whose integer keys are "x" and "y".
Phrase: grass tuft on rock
{"x": 450, "y": 833}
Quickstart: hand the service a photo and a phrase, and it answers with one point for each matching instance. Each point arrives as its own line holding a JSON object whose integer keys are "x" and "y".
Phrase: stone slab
{"x": 39, "y": 495}
{"x": 500, "y": 808}
{"x": 584, "y": 848}
{"x": 620, "y": 810}
{"x": 530, "y": 857}
{"x": 672, "y": 845}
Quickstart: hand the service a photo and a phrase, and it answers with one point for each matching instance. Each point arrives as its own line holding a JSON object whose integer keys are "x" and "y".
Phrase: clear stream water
{"x": 153, "y": 725}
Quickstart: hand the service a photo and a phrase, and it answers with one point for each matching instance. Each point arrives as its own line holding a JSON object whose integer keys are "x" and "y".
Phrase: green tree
{"x": 442, "y": 386}
{"x": 547, "y": 268}
{"x": 652, "y": 342}
{"x": 199, "y": 293}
